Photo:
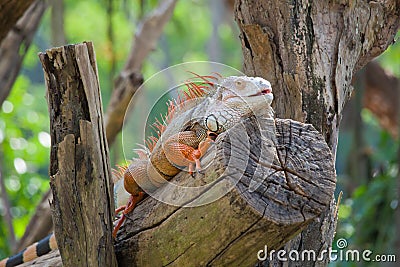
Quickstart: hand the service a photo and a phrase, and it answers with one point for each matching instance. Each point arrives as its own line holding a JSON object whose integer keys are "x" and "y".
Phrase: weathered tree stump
{"x": 82, "y": 205}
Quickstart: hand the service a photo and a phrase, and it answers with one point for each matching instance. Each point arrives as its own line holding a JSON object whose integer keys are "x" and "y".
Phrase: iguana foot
{"x": 118, "y": 210}
{"x": 133, "y": 200}
{"x": 197, "y": 154}
{"x": 180, "y": 149}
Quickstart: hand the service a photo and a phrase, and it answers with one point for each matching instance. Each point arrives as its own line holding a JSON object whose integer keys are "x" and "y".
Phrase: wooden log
{"x": 295, "y": 179}
{"x": 52, "y": 259}
{"x": 260, "y": 188}
{"x": 79, "y": 162}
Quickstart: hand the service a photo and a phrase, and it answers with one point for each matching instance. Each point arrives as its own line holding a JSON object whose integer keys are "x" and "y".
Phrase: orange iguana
{"x": 192, "y": 123}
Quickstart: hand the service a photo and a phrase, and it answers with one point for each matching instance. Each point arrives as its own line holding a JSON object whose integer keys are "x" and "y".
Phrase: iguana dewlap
{"x": 191, "y": 126}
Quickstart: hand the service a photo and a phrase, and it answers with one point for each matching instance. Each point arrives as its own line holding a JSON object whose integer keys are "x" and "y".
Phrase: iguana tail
{"x": 32, "y": 252}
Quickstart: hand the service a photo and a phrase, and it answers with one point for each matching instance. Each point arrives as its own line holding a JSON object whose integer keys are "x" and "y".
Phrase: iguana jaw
{"x": 264, "y": 95}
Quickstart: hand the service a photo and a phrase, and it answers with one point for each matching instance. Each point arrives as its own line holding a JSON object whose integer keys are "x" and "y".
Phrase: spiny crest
{"x": 143, "y": 152}
{"x": 151, "y": 142}
{"x": 195, "y": 89}
{"x": 118, "y": 174}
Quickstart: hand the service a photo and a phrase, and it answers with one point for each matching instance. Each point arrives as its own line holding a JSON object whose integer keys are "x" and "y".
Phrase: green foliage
{"x": 366, "y": 218}
{"x": 24, "y": 150}
{"x": 391, "y": 57}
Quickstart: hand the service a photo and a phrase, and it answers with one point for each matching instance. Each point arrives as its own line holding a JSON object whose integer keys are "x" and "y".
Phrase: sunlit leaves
{"x": 366, "y": 217}
{"x": 391, "y": 57}
{"x": 23, "y": 118}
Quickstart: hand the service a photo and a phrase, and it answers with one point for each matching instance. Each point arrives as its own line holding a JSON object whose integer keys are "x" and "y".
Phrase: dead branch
{"x": 128, "y": 81}
{"x": 130, "y": 77}
{"x": 296, "y": 179}
{"x": 20, "y": 36}
{"x": 381, "y": 96}
{"x": 10, "y": 12}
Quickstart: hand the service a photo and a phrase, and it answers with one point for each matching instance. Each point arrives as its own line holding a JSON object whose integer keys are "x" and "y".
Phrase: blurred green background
{"x": 198, "y": 30}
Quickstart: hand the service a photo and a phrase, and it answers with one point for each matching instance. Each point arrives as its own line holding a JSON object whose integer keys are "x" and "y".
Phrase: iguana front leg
{"x": 185, "y": 149}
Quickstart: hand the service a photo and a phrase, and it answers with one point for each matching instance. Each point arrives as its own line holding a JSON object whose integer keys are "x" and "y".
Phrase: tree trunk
{"x": 311, "y": 77}
{"x": 82, "y": 204}
{"x": 309, "y": 50}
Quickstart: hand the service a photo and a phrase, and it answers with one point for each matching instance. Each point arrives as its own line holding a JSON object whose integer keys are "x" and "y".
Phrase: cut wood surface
{"x": 271, "y": 185}
{"x": 82, "y": 205}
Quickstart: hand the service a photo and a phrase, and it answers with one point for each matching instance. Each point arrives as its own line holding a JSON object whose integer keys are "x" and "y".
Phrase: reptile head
{"x": 252, "y": 90}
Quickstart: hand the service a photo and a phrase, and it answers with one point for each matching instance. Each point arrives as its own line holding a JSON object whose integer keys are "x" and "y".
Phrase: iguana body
{"x": 191, "y": 125}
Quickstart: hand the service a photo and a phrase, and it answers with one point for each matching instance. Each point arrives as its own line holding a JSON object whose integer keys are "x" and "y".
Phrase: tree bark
{"x": 231, "y": 230}
{"x": 309, "y": 50}
{"x": 82, "y": 204}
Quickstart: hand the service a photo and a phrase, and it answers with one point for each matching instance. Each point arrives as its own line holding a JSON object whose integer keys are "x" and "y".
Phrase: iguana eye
{"x": 240, "y": 84}
{"x": 211, "y": 123}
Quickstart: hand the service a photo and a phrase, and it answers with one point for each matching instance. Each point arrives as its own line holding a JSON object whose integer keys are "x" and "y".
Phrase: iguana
{"x": 193, "y": 125}
{"x": 193, "y": 122}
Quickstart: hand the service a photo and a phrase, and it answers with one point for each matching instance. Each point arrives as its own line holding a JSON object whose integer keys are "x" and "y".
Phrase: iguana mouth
{"x": 266, "y": 91}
